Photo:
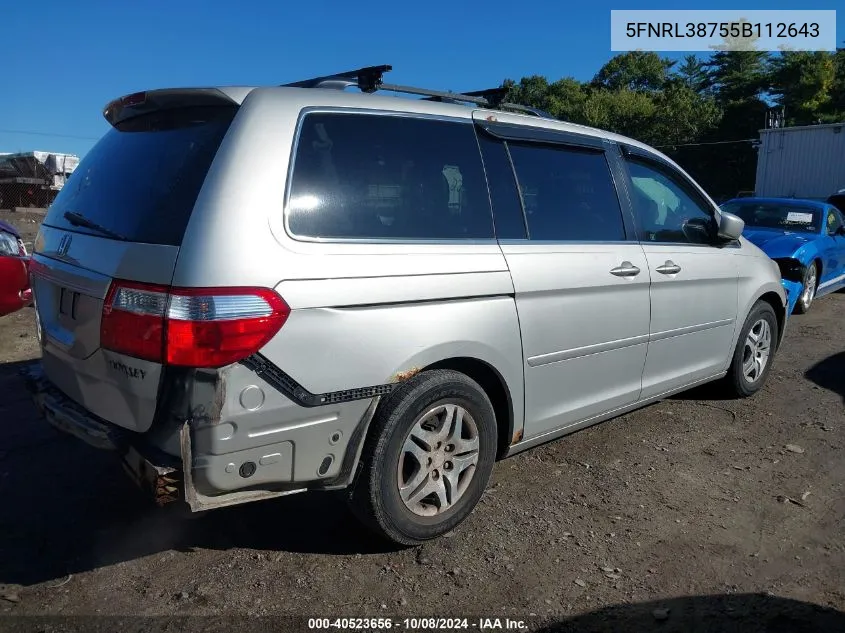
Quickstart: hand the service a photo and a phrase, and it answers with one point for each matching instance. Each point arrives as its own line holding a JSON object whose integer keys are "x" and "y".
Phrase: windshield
{"x": 141, "y": 180}
{"x": 768, "y": 215}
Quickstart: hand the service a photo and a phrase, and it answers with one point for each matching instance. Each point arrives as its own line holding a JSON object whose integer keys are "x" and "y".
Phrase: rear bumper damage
{"x": 165, "y": 477}
{"x": 156, "y": 473}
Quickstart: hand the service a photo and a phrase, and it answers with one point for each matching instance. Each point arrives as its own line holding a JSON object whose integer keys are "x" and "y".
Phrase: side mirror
{"x": 840, "y": 231}
{"x": 730, "y": 226}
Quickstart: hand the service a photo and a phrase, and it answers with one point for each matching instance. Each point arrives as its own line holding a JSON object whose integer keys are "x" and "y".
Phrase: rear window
{"x": 142, "y": 178}
{"x": 359, "y": 176}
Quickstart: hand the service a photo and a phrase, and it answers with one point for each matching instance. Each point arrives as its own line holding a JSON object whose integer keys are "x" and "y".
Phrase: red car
{"x": 15, "y": 292}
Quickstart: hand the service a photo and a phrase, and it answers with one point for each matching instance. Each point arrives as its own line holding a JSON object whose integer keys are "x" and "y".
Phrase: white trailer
{"x": 801, "y": 162}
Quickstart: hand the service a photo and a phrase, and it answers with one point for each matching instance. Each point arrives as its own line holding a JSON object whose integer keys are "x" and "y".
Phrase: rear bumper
{"x": 157, "y": 474}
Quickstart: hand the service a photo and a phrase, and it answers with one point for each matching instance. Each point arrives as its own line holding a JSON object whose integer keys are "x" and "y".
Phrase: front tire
{"x": 427, "y": 458}
{"x": 755, "y": 350}
{"x": 808, "y": 289}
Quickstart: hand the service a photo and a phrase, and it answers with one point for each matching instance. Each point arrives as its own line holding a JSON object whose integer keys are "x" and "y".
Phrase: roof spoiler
{"x": 138, "y": 103}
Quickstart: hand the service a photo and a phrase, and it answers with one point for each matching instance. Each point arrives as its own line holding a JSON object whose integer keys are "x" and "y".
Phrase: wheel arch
{"x": 773, "y": 292}
{"x": 774, "y": 300}
{"x": 509, "y": 426}
{"x": 809, "y": 254}
{"x": 496, "y": 388}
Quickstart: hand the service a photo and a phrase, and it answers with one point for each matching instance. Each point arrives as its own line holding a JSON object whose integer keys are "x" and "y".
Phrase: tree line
{"x": 694, "y": 109}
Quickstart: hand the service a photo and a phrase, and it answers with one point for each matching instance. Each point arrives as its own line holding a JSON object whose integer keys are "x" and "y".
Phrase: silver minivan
{"x": 252, "y": 292}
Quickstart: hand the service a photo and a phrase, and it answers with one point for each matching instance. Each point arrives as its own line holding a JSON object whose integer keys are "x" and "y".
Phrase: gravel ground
{"x": 692, "y": 514}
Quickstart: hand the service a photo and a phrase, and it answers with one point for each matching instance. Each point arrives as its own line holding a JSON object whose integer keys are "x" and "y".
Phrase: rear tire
{"x": 754, "y": 353}
{"x": 427, "y": 458}
{"x": 808, "y": 289}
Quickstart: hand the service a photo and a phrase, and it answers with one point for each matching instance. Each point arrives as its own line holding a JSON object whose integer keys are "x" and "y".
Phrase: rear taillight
{"x": 192, "y": 327}
{"x": 133, "y": 320}
{"x": 215, "y": 327}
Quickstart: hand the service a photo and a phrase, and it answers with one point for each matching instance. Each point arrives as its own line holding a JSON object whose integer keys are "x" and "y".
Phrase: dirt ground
{"x": 689, "y": 515}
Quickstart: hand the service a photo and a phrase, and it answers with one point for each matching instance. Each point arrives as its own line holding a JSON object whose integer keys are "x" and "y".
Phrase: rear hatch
{"x": 121, "y": 218}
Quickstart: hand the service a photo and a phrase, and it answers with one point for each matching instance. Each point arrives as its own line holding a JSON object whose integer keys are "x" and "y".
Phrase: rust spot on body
{"x": 517, "y": 437}
{"x": 405, "y": 375}
{"x": 220, "y": 393}
{"x": 208, "y": 395}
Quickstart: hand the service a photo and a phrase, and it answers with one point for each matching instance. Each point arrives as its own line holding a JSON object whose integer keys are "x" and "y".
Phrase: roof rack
{"x": 493, "y": 96}
{"x": 496, "y": 96}
{"x": 369, "y": 79}
{"x": 516, "y": 107}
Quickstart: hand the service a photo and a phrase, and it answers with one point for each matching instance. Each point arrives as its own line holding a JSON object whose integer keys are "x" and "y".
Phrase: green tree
{"x": 693, "y": 73}
{"x": 837, "y": 90}
{"x": 802, "y": 82}
{"x": 531, "y": 91}
{"x": 705, "y": 113}
{"x": 624, "y": 111}
{"x": 738, "y": 76}
{"x": 635, "y": 70}
{"x": 565, "y": 100}
{"x": 740, "y": 80}
{"x": 683, "y": 114}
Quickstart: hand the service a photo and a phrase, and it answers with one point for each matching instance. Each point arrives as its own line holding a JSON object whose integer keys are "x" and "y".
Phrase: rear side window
{"x": 358, "y": 176}
{"x": 507, "y": 210}
{"x": 568, "y": 194}
{"x": 142, "y": 178}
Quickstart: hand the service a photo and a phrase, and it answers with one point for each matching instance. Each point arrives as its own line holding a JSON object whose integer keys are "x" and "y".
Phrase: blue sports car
{"x": 805, "y": 237}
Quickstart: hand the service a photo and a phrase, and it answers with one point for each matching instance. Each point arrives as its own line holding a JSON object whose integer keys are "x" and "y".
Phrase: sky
{"x": 63, "y": 61}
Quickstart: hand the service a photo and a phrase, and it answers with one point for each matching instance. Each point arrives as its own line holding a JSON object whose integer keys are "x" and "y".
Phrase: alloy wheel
{"x": 756, "y": 351}
{"x": 438, "y": 460}
{"x": 809, "y": 291}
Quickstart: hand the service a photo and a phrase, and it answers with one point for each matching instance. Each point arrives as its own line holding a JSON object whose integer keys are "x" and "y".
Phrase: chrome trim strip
{"x": 609, "y": 346}
{"x": 676, "y": 245}
{"x": 690, "y": 329}
{"x": 523, "y": 241}
{"x": 586, "y": 350}
{"x": 76, "y": 278}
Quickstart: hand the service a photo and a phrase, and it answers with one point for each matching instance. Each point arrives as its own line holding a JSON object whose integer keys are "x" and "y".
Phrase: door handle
{"x": 625, "y": 269}
{"x": 669, "y": 268}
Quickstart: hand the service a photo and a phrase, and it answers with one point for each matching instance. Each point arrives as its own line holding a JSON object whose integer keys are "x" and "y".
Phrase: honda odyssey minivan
{"x": 252, "y": 292}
